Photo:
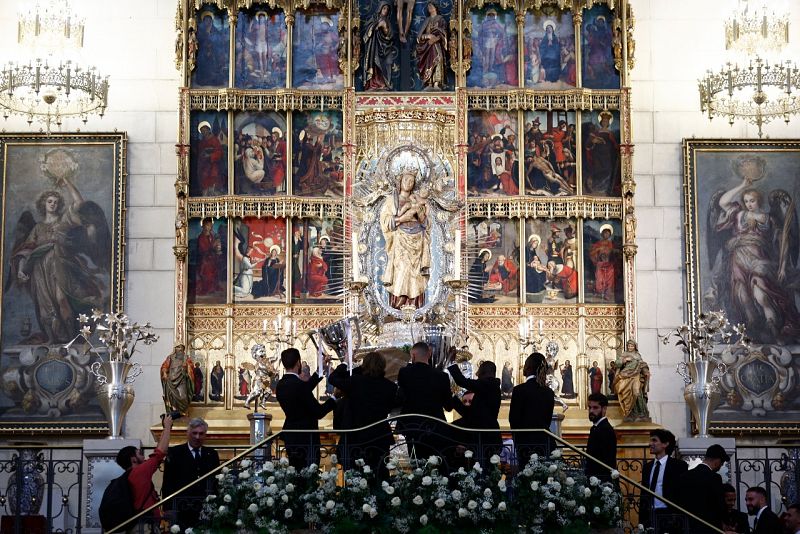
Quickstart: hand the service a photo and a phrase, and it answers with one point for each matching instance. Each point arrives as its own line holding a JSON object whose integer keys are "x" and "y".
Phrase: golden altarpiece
{"x": 465, "y": 166}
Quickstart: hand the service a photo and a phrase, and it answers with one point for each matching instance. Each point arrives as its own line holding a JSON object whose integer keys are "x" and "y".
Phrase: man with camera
{"x": 185, "y": 464}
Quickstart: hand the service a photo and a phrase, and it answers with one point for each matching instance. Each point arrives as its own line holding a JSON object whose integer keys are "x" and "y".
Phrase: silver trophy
{"x": 335, "y": 336}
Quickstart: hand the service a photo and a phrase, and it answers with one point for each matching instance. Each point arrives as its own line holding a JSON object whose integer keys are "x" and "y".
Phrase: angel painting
{"x": 61, "y": 254}
{"x": 752, "y": 244}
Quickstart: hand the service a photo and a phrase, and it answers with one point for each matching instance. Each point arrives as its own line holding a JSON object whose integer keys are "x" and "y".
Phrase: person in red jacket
{"x": 141, "y": 470}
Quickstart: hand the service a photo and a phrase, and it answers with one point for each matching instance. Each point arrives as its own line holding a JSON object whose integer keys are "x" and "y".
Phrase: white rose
{"x": 256, "y": 486}
{"x": 423, "y": 519}
{"x": 570, "y": 503}
{"x": 312, "y": 467}
{"x": 461, "y": 471}
{"x": 270, "y": 480}
{"x": 289, "y": 487}
{"x": 239, "y": 523}
{"x": 472, "y": 505}
{"x": 389, "y": 490}
{"x": 395, "y": 501}
{"x": 360, "y": 462}
{"x": 270, "y": 501}
{"x": 244, "y": 475}
{"x": 330, "y": 504}
{"x": 456, "y": 495}
{"x": 433, "y": 460}
{"x": 367, "y": 469}
{"x": 570, "y": 481}
{"x": 596, "y": 510}
{"x": 443, "y": 481}
{"x": 439, "y": 503}
{"x": 594, "y": 481}
{"x": 616, "y": 509}
{"x": 284, "y": 461}
{"x": 220, "y": 477}
{"x": 614, "y": 474}
{"x": 527, "y": 472}
{"x": 363, "y": 483}
{"x": 285, "y": 498}
{"x": 487, "y": 505}
{"x": 501, "y": 484}
{"x": 417, "y": 500}
{"x": 581, "y": 510}
{"x": 227, "y": 498}
{"x": 334, "y": 459}
{"x": 501, "y": 506}
{"x": 494, "y": 459}
{"x": 606, "y": 490}
{"x": 487, "y": 492}
{"x": 556, "y": 487}
{"x": 175, "y": 529}
{"x": 535, "y": 486}
{"x": 534, "y": 457}
{"x": 553, "y": 468}
{"x": 462, "y": 512}
{"x": 468, "y": 454}
{"x": 253, "y": 508}
{"x": 222, "y": 509}
{"x": 391, "y": 465}
{"x": 427, "y": 481}
{"x": 226, "y": 470}
{"x": 245, "y": 463}
{"x": 551, "y": 506}
{"x": 288, "y": 513}
{"x": 373, "y": 512}
{"x": 210, "y": 498}
{"x": 477, "y": 468}
{"x": 556, "y": 453}
{"x": 587, "y": 492}
{"x": 189, "y": 530}
{"x": 365, "y": 508}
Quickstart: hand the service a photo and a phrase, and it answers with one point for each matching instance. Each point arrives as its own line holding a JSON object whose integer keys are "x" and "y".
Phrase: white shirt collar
{"x": 600, "y": 421}
{"x": 529, "y": 378}
{"x": 291, "y": 373}
{"x": 758, "y": 515}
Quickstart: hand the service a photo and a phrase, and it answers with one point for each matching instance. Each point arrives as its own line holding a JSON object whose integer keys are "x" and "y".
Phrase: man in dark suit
{"x": 532, "y": 407}
{"x": 700, "y": 490}
{"x": 734, "y": 520}
{"x": 602, "y": 443}
{"x": 792, "y": 519}
{"x": 661, "y": 475}
{"x": 766, "y": 521}
{"x": 481, "y": 412}
{"x": 302, "y": 411}
{"x": 186, "y": 463}
{"x": 423, "y": 390}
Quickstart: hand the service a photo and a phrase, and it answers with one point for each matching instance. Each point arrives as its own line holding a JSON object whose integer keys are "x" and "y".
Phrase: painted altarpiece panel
{"x": 492, "y": 156}
{"x": 549, "y": 49}
{"x": 259, "y": 166}
{"x": 259, "y": 262}
{"x": 318, "y": 168}
{"x": 601, "y": 166}
{"x": 602, "y": 262}
{"x": 208, "y": 172}
{"x": 494, "y": 49}
{"x": 493, "y": 259}
{"x": 213, "y": 49}
{"x": 315, "y": 59}
{"x": 597, "y": 49}
{"x": 207, "y": 259}
{"x": 260, "y": 49}
{"x": 551, "y": 261}
{"x": 549, "y": 150}
{"x": 317, "y": 260}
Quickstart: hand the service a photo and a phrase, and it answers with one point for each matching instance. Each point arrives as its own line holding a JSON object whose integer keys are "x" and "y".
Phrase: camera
{"x": 175, "y": 414}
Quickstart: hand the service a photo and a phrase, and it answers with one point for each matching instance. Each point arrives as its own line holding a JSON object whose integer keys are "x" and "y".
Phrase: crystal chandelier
{"x": 49, "y": 85}
{"x": 760, "y": 91}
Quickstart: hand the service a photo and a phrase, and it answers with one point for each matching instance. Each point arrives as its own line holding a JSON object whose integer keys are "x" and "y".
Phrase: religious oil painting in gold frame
{"x": 62, "y": 255}
{"x": 742, "y": 252}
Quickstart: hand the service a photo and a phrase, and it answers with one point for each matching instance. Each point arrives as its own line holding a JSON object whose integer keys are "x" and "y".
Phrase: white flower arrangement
{"x": 277, "y": 498}
{"x": 115, "y": 331}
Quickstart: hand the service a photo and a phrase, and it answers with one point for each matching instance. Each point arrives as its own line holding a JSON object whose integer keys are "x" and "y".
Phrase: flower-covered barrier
{"x": 543, "y": 497}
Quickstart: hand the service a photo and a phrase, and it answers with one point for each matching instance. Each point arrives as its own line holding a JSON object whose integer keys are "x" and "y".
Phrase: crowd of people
{"x": 361, "y": 399}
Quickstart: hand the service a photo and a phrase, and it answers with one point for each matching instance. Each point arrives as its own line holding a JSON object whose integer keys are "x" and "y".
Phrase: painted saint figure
{"x": 404, "y": 221}
{"x": 601, "y": 253}
{"x": 431, "y": 50}
{"x": 595, "y": 378}
{"x": 380, "y": 51}
{"x": 567, "y": 381}
{"x": 211, "y": 158}
{"x": 209, "y": 250}
{"x": 550, "y": 53}
{"x": 753, "y": 252}
{"x": 217, "y": 380}
{"x": 601, "y": 156}
{"x": 50, "y": 257}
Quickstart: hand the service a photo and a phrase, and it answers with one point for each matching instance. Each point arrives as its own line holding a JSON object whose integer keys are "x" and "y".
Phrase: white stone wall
{"x": 133, "y": 42}
{"x": 676, "y": 42}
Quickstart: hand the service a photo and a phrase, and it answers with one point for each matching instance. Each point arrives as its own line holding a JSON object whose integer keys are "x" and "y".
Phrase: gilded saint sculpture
{"x": 632, "y": 383}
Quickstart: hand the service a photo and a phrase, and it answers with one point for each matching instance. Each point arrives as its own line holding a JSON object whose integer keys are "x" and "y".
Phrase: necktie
{"x": 196, "y": 453}
{"x": 654, "y": 479}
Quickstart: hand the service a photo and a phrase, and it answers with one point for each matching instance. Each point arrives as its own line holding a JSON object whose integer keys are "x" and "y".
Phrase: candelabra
{"x": 529, "y": 336}
{"x": 283, "y": 332}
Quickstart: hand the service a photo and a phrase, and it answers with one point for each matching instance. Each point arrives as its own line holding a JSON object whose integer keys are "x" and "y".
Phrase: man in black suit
{"x": 186, "y": 463}
{"x": 792, "y": 519}
{"x": 766, "y": 521}
{"x": 302, "y": 411}
{"x": 423, "y": 390}
{"x": 734, "y": 520}
{"x": 661, "y": 475}
{"x": 532, "y": 407}
{"x": 700, "y": 490}
{"x": 602, "y": 443}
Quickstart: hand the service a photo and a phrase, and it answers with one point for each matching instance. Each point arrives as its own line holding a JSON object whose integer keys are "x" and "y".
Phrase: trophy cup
{"x": 335, "y": 337}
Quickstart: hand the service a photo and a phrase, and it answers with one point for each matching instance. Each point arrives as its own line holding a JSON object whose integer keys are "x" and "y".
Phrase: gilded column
{"x": 181, "y": 248}
{"x": 289, "y": 42}
{"x": 628, "y": 215}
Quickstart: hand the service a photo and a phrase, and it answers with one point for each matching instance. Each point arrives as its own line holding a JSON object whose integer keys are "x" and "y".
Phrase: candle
{"x": 522, "y": 332}
{"x": 541, "y": 326}
{"x": 264, "y": 326}
{"x": 457, "y": 253}
{"x": 319, "y": 355}
{"x": 356, "y": 263}
{"x": 349, "y": 347}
